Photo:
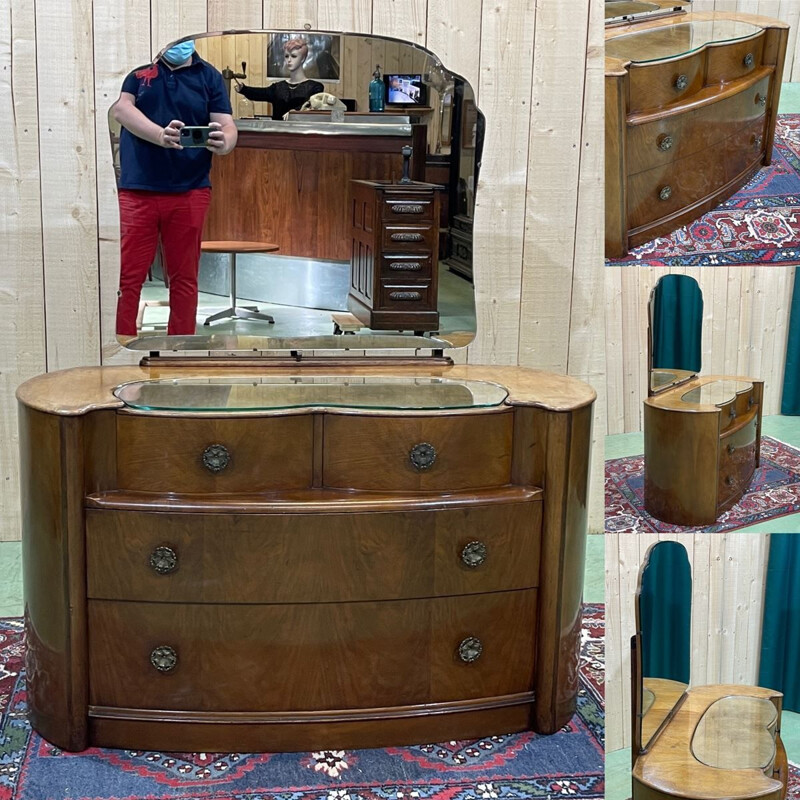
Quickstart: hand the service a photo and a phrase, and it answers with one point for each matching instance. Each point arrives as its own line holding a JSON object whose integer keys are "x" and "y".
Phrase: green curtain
{"x": 780, "y": 635}
{"x": 677, "y": 323}
{"x": 790, "y": 402}
{"x": 665, "y": 611}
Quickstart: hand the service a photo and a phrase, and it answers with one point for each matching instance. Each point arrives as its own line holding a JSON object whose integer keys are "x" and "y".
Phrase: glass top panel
{"x": 716, "y": 393}
{"x": 671, "y": 41}
{"x": 263, "y": 393}
{"x": 736, "y": 733}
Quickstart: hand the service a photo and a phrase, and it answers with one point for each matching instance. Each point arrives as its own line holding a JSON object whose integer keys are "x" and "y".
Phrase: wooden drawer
{"x": 294, "y": 558}
{"x": 310, "y": 656}
{"x": 677, "y": 136}
{"x": 180, "y": 454}
{"x": 414, "y": 297}
{"x": 409, "y": 238}
{"x": 737, "y": 460}
{"x": 731, "y": 60}
{"x": 740, "y": 408}
{"x": 658, "y": 84}
{"x": 406, "y": 267}
{"x": 744, "y": 148}
{"x": 411, "y": 209}
{"x": 375, "y": 453}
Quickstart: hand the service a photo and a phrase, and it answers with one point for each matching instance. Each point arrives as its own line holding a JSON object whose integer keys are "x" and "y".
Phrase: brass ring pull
{"x": 681, "y": 82}
{"x": 749, "y": 60}
{"x": 473, "y": 554}
{"x": 422, "y": 456}
{"x": 470, "y": 649}
{"x": 665, "y": 193}
{"x": 164, "y": 560}
{"x": 216, "y": 457}
{"x": 164, "y": 658}
{"x": 665, "y": 142}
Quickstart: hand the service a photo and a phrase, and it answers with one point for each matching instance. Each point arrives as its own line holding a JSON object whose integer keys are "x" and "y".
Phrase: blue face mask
{"x": 178, "y": 53}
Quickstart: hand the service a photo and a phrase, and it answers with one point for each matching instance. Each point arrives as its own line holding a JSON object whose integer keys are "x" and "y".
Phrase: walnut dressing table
{"x": 249, "y": 559}
{"x": 691, "y": 104}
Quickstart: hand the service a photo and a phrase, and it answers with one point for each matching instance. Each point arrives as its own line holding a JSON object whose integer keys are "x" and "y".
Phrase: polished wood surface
{"x": 357, "y": 598}
{"x": 660, "y": 697}
{"x": 238, "y": 247}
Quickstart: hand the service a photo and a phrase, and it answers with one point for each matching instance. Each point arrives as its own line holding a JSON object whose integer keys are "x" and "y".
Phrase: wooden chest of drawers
{"x": 394, "y": 258}
{"x": 301, "y": 579}
{"x": 684, "y": 132}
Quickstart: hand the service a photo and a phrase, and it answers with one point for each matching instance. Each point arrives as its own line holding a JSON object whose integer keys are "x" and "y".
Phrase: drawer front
{"x": 406, "y": 267}
{"x": 408, "y": 209}
{"x": 172, "y": 454}
{"x": 294, "y": 558}
{"x": 737, "y": 460}
{"x": 674, "y": 137}
{"x": 665, "y": 190}
{"x": 310, "y": 656}
{"x": 414, "y": 297}
{"x": 417, "y": 453}
{"x": 409, "y": 238}
{"x": 732, "y": 60}
{"x": 660, "y": 84}
{"x": 744, "y": 148}
{"x": 733, "y": 413}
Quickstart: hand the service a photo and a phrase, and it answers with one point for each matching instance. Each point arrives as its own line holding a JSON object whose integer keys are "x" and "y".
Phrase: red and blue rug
{"x": 518, "y": 766}
{"x": 774, "y": 492}
{"x": 760, "y": 224}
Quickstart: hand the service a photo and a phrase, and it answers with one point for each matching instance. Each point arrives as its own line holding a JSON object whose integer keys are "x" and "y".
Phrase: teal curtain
{"x": 677, "y": 323}
{"x": 790, "y": 402}
{"x": 665, "y": 611}
{"x": 780, "y": 635}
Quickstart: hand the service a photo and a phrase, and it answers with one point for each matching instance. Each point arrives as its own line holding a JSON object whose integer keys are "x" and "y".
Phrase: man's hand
{"x": 171, "y": 135}
{"x": 216, "y": 139}
{"x": 224, "y": 134}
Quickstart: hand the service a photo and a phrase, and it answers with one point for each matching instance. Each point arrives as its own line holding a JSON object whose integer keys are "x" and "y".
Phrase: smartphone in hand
{"x": 195, "y": 135}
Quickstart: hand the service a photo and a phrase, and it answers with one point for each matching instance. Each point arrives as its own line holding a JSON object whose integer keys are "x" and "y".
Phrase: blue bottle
{"x": 376, "y": 90}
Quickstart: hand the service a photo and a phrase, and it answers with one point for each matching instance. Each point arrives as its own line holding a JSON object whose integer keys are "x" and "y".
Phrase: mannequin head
{"x": 295, "y": 52}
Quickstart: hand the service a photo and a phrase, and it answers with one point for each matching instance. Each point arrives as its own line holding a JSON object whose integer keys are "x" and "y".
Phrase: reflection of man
{"x": 164, "y": 188}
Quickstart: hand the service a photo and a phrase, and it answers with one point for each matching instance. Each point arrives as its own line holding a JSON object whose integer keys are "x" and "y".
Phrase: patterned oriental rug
{"x": 774, "y": 492}
{"x": 793, "y": 789}
{"x": 567, "y": 764}
{"x": 760, "y": 224}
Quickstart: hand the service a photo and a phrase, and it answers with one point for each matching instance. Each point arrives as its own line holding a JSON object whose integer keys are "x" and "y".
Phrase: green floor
{"x": 785, "y": 429}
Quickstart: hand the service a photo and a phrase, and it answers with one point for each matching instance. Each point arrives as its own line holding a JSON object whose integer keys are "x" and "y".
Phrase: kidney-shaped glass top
{"x": 258, "y": 393}
{"x": 715, "y": 393}
{"x": 736, "y": 732}
{"x": 671, "y": 41}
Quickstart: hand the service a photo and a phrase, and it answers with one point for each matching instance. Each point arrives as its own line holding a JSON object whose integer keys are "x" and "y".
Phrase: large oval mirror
{"x": 342, "y": 218}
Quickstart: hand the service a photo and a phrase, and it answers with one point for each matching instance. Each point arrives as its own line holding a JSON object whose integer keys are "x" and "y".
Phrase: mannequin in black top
{"x": 291, "y": 94}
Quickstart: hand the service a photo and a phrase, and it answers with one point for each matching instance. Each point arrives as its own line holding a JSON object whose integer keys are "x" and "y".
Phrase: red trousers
{"x": 178, "y": 219}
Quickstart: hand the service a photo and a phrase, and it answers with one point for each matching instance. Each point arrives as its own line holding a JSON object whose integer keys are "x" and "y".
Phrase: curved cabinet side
{"x": 52, "y": 560}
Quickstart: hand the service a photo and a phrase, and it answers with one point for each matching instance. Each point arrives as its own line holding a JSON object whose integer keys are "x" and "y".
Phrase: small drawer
{"x": 319, "y": 558}
{"x": 732, "y": 60}
{"x": 311, "y": 656}
{"x": 179, "y": 454}
{"x": 737, "y": 460}
{"x": 413, "y": 297}
{"x": 408, "y": 238}
{"x": 417, "y": 453}
{"x": 405, "y": 267}
{"x": 408, "y": 209}
{"x": 656, "y": 85}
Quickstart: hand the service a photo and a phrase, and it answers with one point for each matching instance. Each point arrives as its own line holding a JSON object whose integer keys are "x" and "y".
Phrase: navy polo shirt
{"x": 189, "y": 94}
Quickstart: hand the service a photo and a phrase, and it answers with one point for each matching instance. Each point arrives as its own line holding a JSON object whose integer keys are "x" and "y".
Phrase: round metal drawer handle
{"x": 758, "y": 141}
{"x": 474, "y": 554}
{"x": 751, "y": 401}
{"x": 761, "y": 99}
{"x": 728, "y": 480}
{"x": 749, "y": 60}
{"x": 164, "y": 560}
{"x": 665, "y": 142}
{"x": 665, "y": 193}
{"x": 422, "y": 455}
{"x": 164, "y": 658}
{"x": 216, "y": 457}
{"x": 733, "y": 413}
{"x": 731, "y": 449}
{"x": 681, "y": 83}
{"x": 470, "y": 649}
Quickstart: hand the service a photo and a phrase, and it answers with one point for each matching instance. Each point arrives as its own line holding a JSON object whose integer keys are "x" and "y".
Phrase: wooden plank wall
{"x": 537, "y": 73}
{"x": 728, "y": 574}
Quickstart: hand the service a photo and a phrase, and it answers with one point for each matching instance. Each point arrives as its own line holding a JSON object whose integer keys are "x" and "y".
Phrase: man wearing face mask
{"x": 164, "y": 188}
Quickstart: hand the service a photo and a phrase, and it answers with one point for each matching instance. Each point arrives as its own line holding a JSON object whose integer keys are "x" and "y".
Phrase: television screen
{"x": 405, "y": 90}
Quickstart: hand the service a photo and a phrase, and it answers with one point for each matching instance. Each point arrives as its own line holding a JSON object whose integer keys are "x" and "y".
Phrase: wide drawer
{"x": 418, "y": 453}
{"x": 411, "y": 297}
{"x": 312, "y": 656}
{"x": 400, "y": 266}
{"x": 663, "y": 83}
{"x": 176, "y": 454}
{"x": 296, "y": 558}
{"x": 408, "y": 209}
{"x": 737, "y": 460}
{"x": 731, "y": 60}
{"x": 409, "y": 238}
{"x": 674, "y": 137}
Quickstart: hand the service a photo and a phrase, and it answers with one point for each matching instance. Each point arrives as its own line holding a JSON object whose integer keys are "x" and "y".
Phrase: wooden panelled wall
{"x": 537, "y": 69}
{"x": 728, "y": 574}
